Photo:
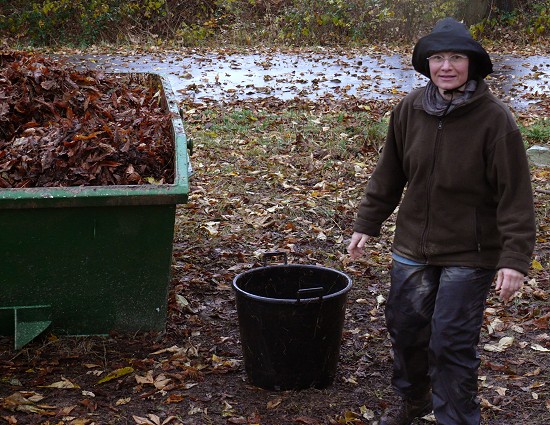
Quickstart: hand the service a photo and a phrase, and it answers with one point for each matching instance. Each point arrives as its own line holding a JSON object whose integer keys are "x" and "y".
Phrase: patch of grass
{"x": 284, "y": 173}
{"x": 537, "y": 132}
{"x": 337, "y": 134}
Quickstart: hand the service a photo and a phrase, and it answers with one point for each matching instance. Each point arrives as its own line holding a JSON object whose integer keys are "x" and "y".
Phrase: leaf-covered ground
{"x": 271, "y": 176}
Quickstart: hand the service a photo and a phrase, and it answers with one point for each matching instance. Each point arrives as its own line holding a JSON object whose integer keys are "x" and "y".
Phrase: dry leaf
{"x": 123, "y": 401}
{"x": 536, "y": 265}
{"x": 147, "y": 379}
{"x": 14, "y": 400}
{"x": 212, "y": 227}
{"x": 366, "y": 413}
{"x": 501, "y": 391}
{"x": 487, "y": 405}
{"x": 161, "y": 382}
{"x": 496, "y": 325}
{"x": 538, "y": 347}
{"x": 64, "y": 383}
{"x": 116, "y": 374}
{"x": 142, "y": 421}
{"x": 535, "y": 372}
{"x": 502, "y": 345}
{"x": 153, "y": 419}
{"x": 272, "y": 404}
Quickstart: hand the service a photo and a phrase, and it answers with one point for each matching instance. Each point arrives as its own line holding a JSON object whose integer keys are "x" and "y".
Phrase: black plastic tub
{"x": 290, "y": 320}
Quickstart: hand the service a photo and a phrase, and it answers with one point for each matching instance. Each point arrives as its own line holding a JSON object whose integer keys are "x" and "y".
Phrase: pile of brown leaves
{"x": 61, "y": 127}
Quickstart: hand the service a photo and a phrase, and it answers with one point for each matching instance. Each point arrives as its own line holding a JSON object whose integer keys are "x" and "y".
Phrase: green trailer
{"x": 93, "y": 259}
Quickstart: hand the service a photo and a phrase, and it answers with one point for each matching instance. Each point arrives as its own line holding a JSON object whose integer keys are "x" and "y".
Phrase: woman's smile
{"x": 448, "y": 70}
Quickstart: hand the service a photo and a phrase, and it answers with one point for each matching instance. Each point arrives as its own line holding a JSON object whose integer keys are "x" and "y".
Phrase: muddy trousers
{"x": 434, "y": 317}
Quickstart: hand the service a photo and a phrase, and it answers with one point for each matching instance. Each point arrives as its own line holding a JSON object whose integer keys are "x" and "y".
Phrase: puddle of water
{"x": 206, "y": 78}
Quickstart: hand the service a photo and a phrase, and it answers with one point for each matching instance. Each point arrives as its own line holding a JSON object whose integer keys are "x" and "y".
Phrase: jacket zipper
{"x": 429, "y": 184}
{"x": 477, "y": 226}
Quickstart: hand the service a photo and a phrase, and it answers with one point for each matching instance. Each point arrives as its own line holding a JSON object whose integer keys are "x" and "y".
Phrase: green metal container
{"x": 90, "y": 260}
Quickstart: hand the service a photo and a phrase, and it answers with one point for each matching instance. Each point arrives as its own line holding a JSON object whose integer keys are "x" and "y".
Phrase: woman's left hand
{"x": 509, "y": 281}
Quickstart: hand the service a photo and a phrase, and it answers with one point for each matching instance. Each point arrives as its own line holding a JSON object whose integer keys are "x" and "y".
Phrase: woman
{"x": 466, "y": 216}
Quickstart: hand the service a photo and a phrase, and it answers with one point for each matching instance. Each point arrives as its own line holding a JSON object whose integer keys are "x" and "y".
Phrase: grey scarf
{"x": 435, "y": 104}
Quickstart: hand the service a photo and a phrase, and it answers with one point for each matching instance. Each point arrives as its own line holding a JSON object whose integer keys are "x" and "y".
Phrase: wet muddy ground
{"x": 220, "y": 77}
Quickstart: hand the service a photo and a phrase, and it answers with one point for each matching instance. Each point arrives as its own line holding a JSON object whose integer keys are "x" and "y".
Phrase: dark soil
{"x": 197, "y": 375}
{"x": 206, "y": 382}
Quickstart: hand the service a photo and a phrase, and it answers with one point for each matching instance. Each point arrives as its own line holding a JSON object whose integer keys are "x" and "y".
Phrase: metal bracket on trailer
{"x": 28, "y": 322}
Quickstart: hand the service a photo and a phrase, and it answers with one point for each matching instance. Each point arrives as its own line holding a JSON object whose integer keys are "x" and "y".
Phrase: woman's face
{"x": 449, "y": 70}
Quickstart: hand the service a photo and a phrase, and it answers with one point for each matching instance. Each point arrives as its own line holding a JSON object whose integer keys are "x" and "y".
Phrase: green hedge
{"x": 293, "y": 22}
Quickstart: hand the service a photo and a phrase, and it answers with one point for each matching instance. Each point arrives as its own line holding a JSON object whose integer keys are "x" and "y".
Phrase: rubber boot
{"x": 407, "y": 411}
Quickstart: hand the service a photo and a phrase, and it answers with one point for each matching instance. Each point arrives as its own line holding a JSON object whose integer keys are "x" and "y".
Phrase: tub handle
{"x": 310, "y": 293}
{"x": 269, "y": 255}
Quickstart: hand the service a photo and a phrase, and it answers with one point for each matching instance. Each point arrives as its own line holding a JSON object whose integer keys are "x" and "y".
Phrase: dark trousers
{"x": 434, "y": 317}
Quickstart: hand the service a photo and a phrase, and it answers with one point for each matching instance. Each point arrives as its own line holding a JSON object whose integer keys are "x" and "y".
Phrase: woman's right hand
{"x": 357, "y": 245}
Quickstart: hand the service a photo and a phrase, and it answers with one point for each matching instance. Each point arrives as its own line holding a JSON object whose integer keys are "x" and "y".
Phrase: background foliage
{"x": 246, "y": 22}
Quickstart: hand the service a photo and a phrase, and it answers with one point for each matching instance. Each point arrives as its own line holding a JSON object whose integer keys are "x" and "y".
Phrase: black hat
{"x": 450, "y": 35}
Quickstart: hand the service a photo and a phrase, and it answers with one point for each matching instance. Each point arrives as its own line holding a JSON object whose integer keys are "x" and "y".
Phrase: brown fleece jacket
{"x": 468, "y": 198}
